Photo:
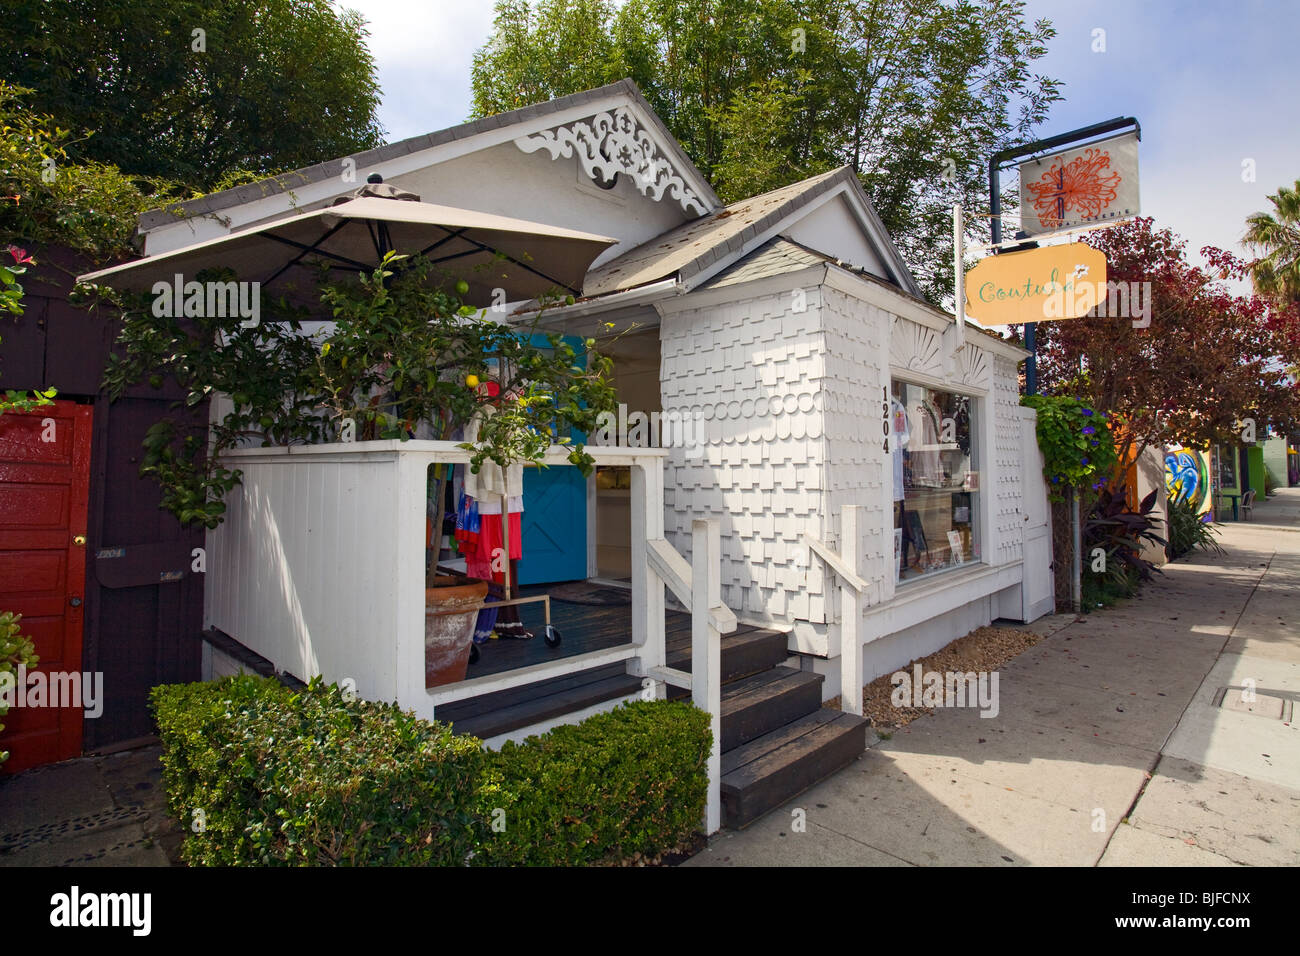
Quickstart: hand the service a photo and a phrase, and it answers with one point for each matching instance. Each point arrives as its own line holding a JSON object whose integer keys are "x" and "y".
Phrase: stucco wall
{"x": 1275, "y": 461}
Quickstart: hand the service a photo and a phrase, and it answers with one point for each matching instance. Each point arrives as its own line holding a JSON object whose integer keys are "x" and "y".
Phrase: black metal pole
{"x": 995, "y": 206}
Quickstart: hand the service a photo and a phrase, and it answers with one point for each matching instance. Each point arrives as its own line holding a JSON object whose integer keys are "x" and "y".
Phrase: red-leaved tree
{"x": 1209, "y": 363}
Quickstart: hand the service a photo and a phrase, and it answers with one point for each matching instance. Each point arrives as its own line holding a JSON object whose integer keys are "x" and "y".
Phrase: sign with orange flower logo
{"x": 1082, "y": 186}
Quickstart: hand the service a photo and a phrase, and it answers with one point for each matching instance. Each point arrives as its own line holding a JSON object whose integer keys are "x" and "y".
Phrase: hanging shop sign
{"x": 1038, "y": 285}
{"x": 1082, "y": 186}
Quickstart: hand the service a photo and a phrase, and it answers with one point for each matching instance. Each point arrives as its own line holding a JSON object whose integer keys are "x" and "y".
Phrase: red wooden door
{"x": 44, "y": 490}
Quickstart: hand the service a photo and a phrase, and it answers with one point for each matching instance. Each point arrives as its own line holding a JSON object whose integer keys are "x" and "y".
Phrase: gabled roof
{"x": 775, "y": 257}
{"x": 697, "y": 250}
{"x": 334, "y": 168}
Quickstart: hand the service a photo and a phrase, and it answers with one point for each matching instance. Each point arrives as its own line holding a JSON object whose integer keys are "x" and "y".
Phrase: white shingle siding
{"x": 752, "y": 370}
{"x": 1008, "y": 501}
{"x": 792, "y": 408}
{"x": 857, "y": 342}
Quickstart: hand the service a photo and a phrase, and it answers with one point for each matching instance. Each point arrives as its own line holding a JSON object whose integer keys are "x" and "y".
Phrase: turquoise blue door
{"x": 554, "y": 523}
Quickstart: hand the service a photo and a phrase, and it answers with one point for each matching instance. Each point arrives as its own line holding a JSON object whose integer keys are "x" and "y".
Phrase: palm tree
{"x": 1276, "y": 239}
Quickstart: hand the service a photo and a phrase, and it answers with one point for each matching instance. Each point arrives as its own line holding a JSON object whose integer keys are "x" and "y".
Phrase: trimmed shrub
{"x": 261, "y": 775}
{"x": 629, "y": 781}
{"x": 16, "y": 650}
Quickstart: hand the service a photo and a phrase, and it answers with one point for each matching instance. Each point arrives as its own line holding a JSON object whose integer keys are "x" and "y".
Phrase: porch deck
{"x": 584, "y": 628}
{"x": 776, "y": 739}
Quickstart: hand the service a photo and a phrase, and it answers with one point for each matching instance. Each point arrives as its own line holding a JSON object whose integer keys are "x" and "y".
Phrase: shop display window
{"x": 936, "y": 484}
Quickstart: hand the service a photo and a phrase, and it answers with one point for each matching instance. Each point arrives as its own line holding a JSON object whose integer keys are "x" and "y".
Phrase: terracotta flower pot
{"x": 449, "y": 637}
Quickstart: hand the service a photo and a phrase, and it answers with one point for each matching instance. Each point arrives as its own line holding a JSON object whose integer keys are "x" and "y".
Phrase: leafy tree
{"x": 46, "y": 199}
{"x": 1276, "y": 237}
{"x": 914, "y": 95}
{"x": 1208, "y": 361}
{"x": 400, "y": 352}
{"x": 268, "y": 85}
{"x": 11, "y": 301}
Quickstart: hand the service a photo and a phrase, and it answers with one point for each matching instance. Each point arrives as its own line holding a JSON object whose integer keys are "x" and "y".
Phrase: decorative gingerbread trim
{"x": 612, "y": 143}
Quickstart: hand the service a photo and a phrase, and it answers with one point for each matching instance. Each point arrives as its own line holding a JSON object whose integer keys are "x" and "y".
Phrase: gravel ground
{"x": 983, "y": 649}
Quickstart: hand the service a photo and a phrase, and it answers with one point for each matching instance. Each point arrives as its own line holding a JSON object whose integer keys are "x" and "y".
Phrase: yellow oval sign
{"x": 1037, "y": 285}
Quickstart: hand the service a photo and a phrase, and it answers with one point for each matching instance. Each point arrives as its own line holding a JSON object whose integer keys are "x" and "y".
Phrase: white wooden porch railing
{"x": 320, "y": 569}
{"x": 698, "y": 586}
{"x": 853, "y": 597}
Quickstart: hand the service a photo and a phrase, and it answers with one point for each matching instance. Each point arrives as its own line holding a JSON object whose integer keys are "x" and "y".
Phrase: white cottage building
{"x": 872, "y": 482}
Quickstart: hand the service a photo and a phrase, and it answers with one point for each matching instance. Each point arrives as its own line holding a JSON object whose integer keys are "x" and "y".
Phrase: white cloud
{"x": 424, "y": 50}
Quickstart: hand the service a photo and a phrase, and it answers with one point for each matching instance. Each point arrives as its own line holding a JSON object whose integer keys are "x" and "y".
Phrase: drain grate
{"x": 47, "y": 832}
{"x": 1247, "y": 700}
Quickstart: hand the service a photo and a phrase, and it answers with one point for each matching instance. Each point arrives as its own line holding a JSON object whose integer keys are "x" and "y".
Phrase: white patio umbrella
{"x": 487, "y": 251}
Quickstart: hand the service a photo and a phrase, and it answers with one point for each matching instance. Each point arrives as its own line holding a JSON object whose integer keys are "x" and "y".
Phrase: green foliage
{"x": 281, "y": 84}
{"x": 1120, "y": 532}
{"x": 261, "y": 775}
{"x": 1198, "y": 363}
{"x": 1276, "y": 237}
{"x": 11, "y": 301}
{"x": 620, "y": 783}
{"x": 15, "y": 650}
{"x": 1076, "y": 441}
{"x": 914, "y": 95}
{"x": 1188, "y": 532}
{"x": 313, "y": 778}
{"x": 1105, "y": 588}
{"x": 49, "y": 199}
{"x": 11, "y": 291}
{"x": 398, "y": 354}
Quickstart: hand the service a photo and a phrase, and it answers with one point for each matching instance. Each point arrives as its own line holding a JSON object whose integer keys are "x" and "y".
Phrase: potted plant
{"x": 451, "y": 606}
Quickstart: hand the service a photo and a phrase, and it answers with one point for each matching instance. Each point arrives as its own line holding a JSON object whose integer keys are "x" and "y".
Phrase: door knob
{"x": 79, "y": 540}
{"x": 75, "y": 602}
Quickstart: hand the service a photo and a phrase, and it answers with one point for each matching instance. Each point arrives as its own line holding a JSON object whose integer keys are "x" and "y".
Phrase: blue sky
{"x": 1212, "y": 83}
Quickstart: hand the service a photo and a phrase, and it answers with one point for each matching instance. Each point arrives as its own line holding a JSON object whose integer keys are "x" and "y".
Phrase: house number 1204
{"x": 884, "y": 391}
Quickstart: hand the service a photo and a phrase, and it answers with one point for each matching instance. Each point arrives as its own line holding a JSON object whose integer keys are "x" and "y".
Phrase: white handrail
{"x": 698, "y": 586}
{"x": 853, "y": 595}
{"x": 677, "y": 575}
{"x": 706, "y": 651}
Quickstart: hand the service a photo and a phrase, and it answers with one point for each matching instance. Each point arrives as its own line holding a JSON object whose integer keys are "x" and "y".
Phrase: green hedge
{"x": 629, "y": 781}
{"x": 262, "y": 775}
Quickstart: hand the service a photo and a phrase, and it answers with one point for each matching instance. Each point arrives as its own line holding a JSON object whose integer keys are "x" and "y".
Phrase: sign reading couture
{"x": 1053, "y": 282}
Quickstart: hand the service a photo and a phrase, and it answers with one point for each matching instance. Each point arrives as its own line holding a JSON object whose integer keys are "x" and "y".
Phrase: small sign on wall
{"x": 955, "y": 543}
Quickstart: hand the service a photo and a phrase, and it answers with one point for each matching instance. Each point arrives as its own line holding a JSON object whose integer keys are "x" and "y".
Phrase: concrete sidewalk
{"x": 1110, "y": 747}
{"x": 93, "y": 811}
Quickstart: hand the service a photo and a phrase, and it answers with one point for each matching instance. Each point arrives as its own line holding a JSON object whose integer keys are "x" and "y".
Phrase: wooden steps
{"x": 756, "y": 705}
{"x": 745, "y": 651}
{"x": 777, "y": 739}
{"x": 769, "y": 770}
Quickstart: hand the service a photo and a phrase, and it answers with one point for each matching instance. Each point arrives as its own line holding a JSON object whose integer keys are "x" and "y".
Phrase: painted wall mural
{"x": 1187, "y": 476}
